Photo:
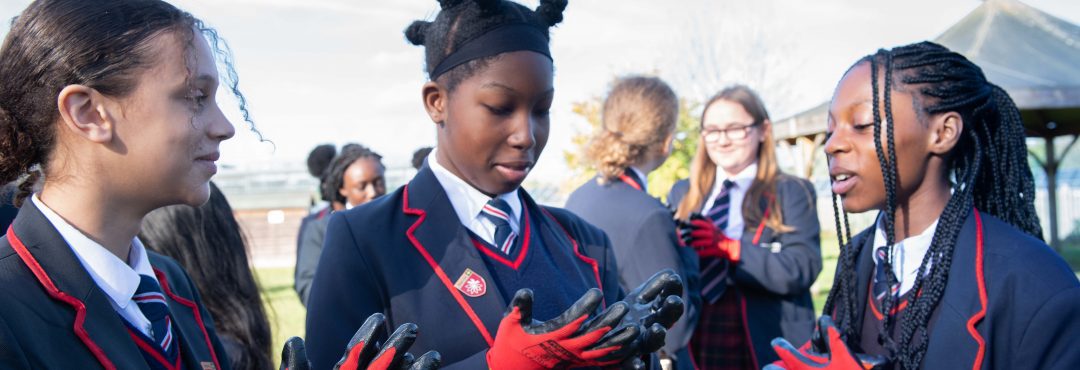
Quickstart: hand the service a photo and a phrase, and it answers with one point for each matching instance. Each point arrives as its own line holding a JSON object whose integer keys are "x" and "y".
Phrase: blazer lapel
{"x": 437, "y": 233}
{"x": 952, "y": 333}
{"x": 100, "y": 321}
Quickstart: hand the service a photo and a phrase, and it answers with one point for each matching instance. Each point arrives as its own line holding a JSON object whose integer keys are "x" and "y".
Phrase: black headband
{"x": 503, "y": 39}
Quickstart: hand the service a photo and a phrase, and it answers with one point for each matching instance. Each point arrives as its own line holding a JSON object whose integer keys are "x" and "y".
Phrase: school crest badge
{"x": 471, "y": 284}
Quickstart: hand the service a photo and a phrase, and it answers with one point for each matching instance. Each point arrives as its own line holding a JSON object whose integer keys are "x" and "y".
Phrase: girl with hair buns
{"x": 112, "y": 102}
{"x": 755, "y": 230}
{"x": 637, "y": 127}
{"x": 461, "y": 242}
{"x": 954, "y": 274}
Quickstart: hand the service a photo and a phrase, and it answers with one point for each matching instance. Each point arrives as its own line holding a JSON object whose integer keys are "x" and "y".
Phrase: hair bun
{"x": 416, "y": 31}
{"x": 551, "y": 11}
{"x": 445, "y": 4}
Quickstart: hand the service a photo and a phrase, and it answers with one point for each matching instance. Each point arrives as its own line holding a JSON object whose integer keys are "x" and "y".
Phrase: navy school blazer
{"x": 774, "y": 275}
{"x": 403, "y": 253}
{"x": 54, "y": 316}
{"x": 307, "y": 255}
{"x": 1009, "y": 303}
{"x": 642, "y": 233}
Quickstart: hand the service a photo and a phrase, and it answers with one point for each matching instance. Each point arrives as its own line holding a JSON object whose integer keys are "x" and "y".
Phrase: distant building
{"x": 269, "y": 200}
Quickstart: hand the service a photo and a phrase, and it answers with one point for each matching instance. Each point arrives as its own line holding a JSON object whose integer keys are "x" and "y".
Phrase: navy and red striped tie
{"x": 153, "y": 305}
{"x": 498, "y": 212}
{"x": 883, "y": 280}
{"x": 714, "y": 271}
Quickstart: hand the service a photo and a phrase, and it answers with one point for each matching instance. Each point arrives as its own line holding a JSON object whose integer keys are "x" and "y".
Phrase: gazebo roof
{"x": 1031, "y": 54}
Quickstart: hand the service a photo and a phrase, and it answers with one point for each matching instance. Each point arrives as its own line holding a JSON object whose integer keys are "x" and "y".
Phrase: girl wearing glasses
{"x": 755, "y": 231}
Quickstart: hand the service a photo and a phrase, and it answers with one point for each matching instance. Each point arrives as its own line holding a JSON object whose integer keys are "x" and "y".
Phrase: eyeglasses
{"x": 738, "y": 132}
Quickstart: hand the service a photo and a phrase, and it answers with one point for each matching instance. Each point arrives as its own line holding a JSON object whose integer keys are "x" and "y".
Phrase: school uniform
{"x": 307, "y": 254}
{"x": 317, "y": 214}
{"x": 61, "y": 309}
{"x": 410, "y": 256}
{"x": 1010, "y": 301}
{"x": 767, "y": 292}
{"x": 644, "y": 240}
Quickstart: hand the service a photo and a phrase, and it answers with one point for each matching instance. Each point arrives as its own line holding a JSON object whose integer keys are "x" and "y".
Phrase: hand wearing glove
{"x": 364, "y": 353}
{"x": 832, "y": 353}
{"x": 526, "y": 344}
{"x": 654, "y": 306}
{"x": 700, "y": 233}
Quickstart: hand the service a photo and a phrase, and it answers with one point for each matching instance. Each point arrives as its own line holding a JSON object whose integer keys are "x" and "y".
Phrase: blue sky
{"x": 336, "y": 71}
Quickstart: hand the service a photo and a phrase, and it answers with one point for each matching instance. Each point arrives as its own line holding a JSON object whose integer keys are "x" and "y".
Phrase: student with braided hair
{"x": 954, "y": 275}
{"x": 352, "y": 178}
{"x": 461, "y": 242}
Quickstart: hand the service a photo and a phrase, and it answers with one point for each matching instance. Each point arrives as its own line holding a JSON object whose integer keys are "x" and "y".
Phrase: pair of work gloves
{"x": 826, "y": 350}
{"x": 369, "y": 349}
{"x": 699, "y": 232}
{"x": 616, "y": 337}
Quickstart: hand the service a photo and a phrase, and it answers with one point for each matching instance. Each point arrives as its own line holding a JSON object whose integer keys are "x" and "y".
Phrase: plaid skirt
{"x": 719, "y": 341}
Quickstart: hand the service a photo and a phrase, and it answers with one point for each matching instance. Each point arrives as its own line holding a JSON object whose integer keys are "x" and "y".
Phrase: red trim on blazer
{"x": 50, "y": 288}
{"x": 154, "y": 351}
{"x": 438, "y": 269}
{"x": 761, "y": 227}
{"x": 746, "y": 330}
{"x": 194, "y": 308}
{"x": 975, "y": 319}
{"x": 502, "y": 258}
{"x": 590, "y": 261}
{"x": 742, "y": 299}
{"x": 630, "y": 181}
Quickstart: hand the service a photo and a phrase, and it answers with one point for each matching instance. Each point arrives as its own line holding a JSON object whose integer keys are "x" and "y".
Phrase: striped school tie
{"x": 498, "y": 212}
{"x": 881, "y": 280}
{"x": 715, "y": 270}
{"x": 152, "y": 304}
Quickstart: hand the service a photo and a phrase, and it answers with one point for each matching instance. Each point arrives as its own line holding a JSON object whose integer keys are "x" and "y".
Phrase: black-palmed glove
{"x": 364, "y": 351}
{"x": 650, "y": 309}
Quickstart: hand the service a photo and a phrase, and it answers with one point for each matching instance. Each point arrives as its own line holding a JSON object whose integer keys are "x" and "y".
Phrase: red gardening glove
{"x": 700, "y": 233}
{"x": 525, "y": 344}
{"x": 834, "y": 356}
{"x": 363, "y": 351}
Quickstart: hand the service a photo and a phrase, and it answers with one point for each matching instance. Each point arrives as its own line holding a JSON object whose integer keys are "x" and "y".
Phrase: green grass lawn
{"x": 283, "y": 307}
{"x": 830, "y": 251}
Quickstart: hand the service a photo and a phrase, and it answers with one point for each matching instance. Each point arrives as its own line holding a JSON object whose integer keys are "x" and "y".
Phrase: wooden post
{"x": 1050, "y": 167}
{"x": 809, "y": 147}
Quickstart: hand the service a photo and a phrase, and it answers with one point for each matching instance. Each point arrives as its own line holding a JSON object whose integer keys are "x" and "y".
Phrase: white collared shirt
{"x": 737, "y": 193}
{"x": 115, "y": 277}
{"x": 468, "y": 202}
{"x": 907, "y": 255}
